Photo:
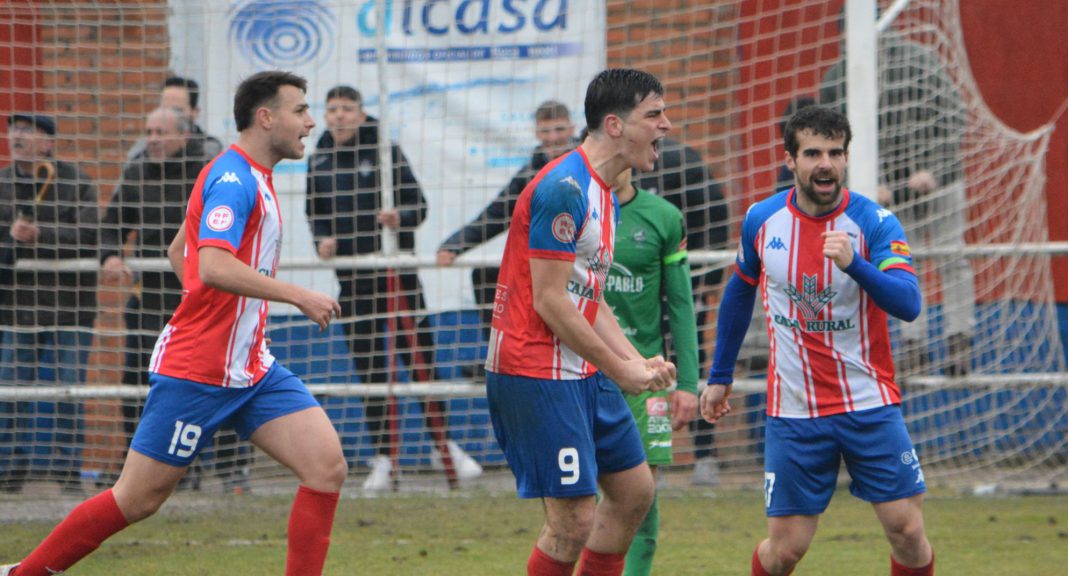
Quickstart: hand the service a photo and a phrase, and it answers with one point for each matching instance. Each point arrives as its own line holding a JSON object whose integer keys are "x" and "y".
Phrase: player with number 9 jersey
{"x": 565, "y": 213}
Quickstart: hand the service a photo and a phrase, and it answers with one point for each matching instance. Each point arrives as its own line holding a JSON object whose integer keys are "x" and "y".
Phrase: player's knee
{"x": 335, "y": 471}
{"x": 642, "y": 501}
{"x": 573, "y": 535}
{"x": 788, "y": 554}
{"x": 906, "y": 534}
{"x": 138, "y": 507}
{"x": 571, "y": 531}
{"x": 325, "y": 473}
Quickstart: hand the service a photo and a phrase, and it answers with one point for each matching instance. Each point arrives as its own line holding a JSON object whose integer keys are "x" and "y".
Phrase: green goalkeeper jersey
{"x": 649, "y": 268}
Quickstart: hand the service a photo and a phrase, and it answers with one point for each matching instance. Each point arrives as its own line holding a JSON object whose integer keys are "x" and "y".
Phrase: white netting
{"x": 982, "y": 391}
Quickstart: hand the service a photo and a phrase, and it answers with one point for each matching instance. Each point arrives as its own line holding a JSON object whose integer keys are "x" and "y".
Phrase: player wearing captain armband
{"x": 830, "y": 265}
{"x": 556, "y": 349}
{"x": 211, "y": 364}
{"x": 650, "y": 269}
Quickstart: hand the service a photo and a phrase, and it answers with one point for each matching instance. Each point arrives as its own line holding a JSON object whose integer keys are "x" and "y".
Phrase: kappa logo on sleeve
{"x": 230, "y": 178}
{"x": 220, "y": 219}
{"x": 564, "y": 228}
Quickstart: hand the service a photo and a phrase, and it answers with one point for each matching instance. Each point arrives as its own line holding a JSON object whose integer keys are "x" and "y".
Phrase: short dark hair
{"x": 618, "y": 91}
{"x": 792, "y": 107}
{"x": 822, "y": 121}
{"x": 259, "y": 89}
{"x": 343, "y": 91}
{"x": 551, "y": 110}
{"x": 190, "y": 86}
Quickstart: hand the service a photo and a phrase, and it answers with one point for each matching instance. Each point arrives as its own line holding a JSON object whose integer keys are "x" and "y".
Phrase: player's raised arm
{"x": 549, "y": 282}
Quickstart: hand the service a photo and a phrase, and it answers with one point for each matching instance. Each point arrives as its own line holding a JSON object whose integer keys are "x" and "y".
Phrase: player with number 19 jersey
{"x": 830, "y": 346}
{"x": 216, "y": 337}
{"x": 565, "y": 213}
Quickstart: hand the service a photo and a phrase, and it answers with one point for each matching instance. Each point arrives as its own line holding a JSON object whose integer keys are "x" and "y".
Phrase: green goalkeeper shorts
{"x": 652, "y": 414}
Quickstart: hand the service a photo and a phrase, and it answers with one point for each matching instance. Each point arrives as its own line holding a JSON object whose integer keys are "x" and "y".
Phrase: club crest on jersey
{"x": 564, "y": 228}
{"x": 220, "y": 219}
{"x": 811, "y": 302}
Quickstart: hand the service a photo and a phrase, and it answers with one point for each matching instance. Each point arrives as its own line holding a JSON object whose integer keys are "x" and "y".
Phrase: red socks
{"x": 310, "y": 522}
{"x": 541, "y": 564}
{"x": 902, "y": 570}
{"x": 81, "y": 532}
{"x": 756, "y": 568}
{"x": 597, "y": 564}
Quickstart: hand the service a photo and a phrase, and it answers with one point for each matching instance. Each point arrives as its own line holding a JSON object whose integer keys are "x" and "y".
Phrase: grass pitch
{"x": 475, "y": 533}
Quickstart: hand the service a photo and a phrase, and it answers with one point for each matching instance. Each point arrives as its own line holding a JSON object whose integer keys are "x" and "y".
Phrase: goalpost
{"x": 984, "y": 378}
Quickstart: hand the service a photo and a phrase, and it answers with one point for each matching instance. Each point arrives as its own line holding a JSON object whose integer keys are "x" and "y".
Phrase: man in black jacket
{"x": 345, "y": 210}
{"x": 556, "y": 134}
{"x": 48, "y": 213}
{"x": 183, "y": 94}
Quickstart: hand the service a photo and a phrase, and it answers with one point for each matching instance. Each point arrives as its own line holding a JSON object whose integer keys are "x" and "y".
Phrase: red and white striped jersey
{"x": 830, "y": 345}
{"x": 216, "y": 337}
{"x": 565, "y": 213}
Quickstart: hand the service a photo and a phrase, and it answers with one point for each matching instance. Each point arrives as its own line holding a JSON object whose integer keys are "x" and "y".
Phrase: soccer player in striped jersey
{"x": 211, "y": 364}
{"x": 649, "y": 266}
{"x": 830, "y": 264}
{"x": 557, "y": 358}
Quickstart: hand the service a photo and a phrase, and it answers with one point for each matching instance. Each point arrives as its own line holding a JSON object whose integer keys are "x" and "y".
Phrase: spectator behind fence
{"x": 212, "y": 364}
{"x": 921, "y": 124}
{"x": 556, "y": 135}
{"x": 682, "y": 177}
{"x": 149, "y": 207}
{"x": 48, "y": 213}
{"x": 183, "y": 94}
{"x": 347, "y": 218}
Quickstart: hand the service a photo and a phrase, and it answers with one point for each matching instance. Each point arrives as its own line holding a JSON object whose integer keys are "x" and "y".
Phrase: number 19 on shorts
{"x": 184, "y": 441}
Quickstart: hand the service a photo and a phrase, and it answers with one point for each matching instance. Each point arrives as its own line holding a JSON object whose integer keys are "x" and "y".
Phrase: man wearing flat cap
{"x": 48, "y": 213}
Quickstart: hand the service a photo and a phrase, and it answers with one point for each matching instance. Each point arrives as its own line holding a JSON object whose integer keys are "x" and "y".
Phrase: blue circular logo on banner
{"x": 282, "y": 33}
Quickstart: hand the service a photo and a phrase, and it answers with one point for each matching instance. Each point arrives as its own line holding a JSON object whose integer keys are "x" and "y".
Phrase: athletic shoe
{"x": 379, "y": 478}
{"x": 8, "y": 569}
{"x": 467, "y": 468}
{"x": 705, "y": 472}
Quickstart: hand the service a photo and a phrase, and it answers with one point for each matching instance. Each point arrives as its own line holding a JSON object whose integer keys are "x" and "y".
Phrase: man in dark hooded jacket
{"x": 347, "y": 218}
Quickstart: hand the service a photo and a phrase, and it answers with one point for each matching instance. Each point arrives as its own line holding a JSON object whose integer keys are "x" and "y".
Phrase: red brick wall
{"x": 686, "y": 46}
{"x": 98, "y": 70}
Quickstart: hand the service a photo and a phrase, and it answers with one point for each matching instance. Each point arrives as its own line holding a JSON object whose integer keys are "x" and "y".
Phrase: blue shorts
{"x": 182, "y": 416}
{"x": 802, "y": 457}
{"x": 559, "y": 435}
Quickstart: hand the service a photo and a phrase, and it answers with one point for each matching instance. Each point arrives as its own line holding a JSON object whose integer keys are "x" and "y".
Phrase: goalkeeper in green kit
{"x": 650, "y": 269}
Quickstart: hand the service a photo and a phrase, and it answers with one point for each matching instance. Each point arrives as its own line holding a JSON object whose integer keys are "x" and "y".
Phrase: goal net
{"x": 458, "y": 87}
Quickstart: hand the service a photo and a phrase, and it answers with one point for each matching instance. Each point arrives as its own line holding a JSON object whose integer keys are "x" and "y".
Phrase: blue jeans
{"x": 36, "y": 435}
